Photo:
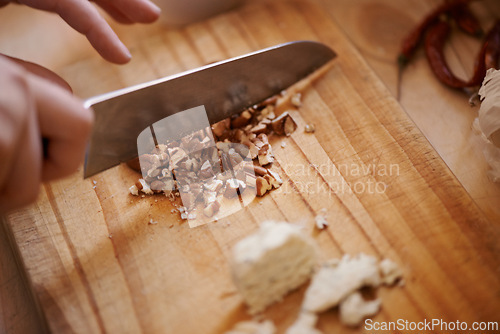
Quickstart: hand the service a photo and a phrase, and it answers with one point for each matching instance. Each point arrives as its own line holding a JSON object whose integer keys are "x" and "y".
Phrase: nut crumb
{"x": 309, "y": 128}
{"x": 296, "y": 100}
{"x": 283, "y": 144}
{"x": 152, "y": 222}
{"x": 321, "y": 222}
{"x": 390, "y": 272}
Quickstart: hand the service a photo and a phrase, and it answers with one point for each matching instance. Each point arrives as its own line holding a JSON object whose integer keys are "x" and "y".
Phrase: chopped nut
{"x": 262, "y": 186}
{"x": 165, "y": 173}
{"x": 284, "y": 124}
{"x": 232, "y": 187}
{"x": 263, "y": 137}
{"x": 276, "y": 180}
{"x": 289, "y": 126}
{"x": 177, "y": 154}
{"x": 145, "y": 187}
{"x": 192, "y": 145}
{"x": 234, "y": 157}
{"x": 152, "y": 222}
{"x": 320, "y": 219}
{"x": 258, "y": 170}
{"x": 188, "y": 199}
{"x": 211, "y": 209}
{"x": 268, "y": 112}
{"x": 254, "y": 151}
{"x": 242, "y": 120}
{"x": 214, "y": 185}
{"x": 296, "y": 100}
{"x": 206, "y": 170}
{"x": 158, "y": 186}
{"x": 238, "y": 135}
{"x": 266, "y": 158}
{"x": 259, "y": 128}
{"x": 209, "y": 197}
{"x": 134, "y": 190}
{"x": 309, "y": 128}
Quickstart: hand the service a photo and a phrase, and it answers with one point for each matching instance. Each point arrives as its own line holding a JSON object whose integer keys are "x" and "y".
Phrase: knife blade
{"x": 224, "y": 88}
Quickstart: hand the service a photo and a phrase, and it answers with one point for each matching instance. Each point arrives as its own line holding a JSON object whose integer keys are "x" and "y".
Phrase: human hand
{"x": 84, "y": 18}
{"x": 32, "y": 108}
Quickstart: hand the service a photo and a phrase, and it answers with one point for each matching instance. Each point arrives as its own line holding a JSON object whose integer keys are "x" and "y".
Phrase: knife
{"x": 224, "y": 88}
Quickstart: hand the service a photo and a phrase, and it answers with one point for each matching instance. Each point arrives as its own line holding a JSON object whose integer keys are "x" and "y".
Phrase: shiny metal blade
{"x": 224, "y": 88}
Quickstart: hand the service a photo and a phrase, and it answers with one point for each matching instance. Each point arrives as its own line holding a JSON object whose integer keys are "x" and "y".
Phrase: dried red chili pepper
{"x": 466, "y": 20}
{"x": 479, "y": 67}
{"x": 434, "y": 44}
{"x": 492, "y": 52}
{"x": 488, "y": 56}
{"x": 410, "y": 43}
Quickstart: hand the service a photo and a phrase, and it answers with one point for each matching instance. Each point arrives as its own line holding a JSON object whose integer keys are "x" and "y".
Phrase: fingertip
{"x": 154, "y": 8}
{"x": 150, "y": 13}
{"x": 123, "y": 54}
{"x": 125, "y": 57}
{"x": 110, "y": 48}
{"x": 143, "y": 12}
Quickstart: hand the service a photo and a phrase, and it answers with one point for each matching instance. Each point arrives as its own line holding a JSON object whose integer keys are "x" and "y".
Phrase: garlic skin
{"x": 487, "y": 124}
{"x": 489, "y": 112}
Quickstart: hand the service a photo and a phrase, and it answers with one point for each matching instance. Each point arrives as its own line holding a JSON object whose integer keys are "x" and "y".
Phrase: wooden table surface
{"x": 374, "y": 27}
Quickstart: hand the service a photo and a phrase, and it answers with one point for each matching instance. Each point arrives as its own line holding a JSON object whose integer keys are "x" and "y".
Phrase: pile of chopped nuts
{"x": 202, "y": 173}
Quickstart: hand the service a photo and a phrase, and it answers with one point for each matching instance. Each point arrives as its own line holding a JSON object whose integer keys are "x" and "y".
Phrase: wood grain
{"x": 97, "y": 266}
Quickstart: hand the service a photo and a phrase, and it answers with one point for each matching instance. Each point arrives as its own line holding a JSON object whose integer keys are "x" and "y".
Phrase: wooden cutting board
{"x": 96, "y": 265}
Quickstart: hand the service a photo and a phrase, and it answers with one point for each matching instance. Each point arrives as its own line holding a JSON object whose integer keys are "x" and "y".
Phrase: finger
{"x": 41, "y": 71}
{"x": 24, "y": 177}
{"x": 65, "y": 123}
{"x": 115, "y": 13}
{"x": 140, "y": 11}
{"x": 84, "y": 18}
{"x": 14, "y": 106}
